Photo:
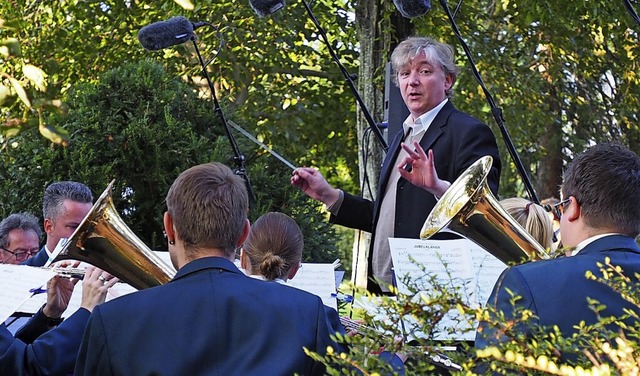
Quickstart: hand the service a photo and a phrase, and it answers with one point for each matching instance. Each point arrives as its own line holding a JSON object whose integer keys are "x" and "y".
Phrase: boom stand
{"x": 238, "y": 157}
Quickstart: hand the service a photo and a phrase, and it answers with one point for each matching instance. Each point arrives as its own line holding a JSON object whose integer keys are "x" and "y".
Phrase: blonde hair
{"x": 532, "y": 217}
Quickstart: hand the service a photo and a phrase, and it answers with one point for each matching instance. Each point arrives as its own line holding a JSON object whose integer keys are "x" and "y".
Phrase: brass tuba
{"x": 468, "y": 208}
{"x": 105, "y": 241}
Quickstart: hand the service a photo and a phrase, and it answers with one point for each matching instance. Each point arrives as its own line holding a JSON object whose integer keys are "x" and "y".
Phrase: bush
{"x": 141, "y": 127}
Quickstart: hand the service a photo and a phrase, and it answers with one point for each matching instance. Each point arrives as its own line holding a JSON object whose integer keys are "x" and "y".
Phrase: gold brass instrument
{"x": 468, "y": 208}
{"x": 105, "y": 241}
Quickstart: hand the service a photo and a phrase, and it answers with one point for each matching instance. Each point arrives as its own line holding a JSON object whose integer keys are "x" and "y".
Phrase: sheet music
{"x": 455, "y": 263}
{"x": 318, "y": 279}
{"x": 16, "y": 281}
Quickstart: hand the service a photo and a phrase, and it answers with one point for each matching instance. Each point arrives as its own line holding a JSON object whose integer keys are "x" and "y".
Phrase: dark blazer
{"x": 457, "y": 140}
{"x": 210, "y": 319}
{"x": 52, "y": 353}
{"x": 556, "y": 291}
{"x": 38, "y": 260}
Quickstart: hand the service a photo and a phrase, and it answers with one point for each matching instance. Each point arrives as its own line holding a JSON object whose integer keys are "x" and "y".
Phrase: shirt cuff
{"x": 334, "y": 208}
{"x": 438, "y": 198}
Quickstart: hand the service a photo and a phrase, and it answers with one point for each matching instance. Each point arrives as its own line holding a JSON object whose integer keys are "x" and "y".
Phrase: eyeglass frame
{"x": 558, "y": 208}
{"x": 16, "y": 253}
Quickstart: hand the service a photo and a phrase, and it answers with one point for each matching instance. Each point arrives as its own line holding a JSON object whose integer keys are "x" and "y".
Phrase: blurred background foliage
{"x": 563, "y": 79}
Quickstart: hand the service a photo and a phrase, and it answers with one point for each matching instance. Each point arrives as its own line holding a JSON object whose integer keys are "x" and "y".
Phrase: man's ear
{"x": 572, "y": 211}
{"x": 47, "y": 225}
{"x": 168, "y": 227}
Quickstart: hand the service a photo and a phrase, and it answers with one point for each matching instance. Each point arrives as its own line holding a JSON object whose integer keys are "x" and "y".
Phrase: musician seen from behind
{"x": 64, "y": 206}
{"x": 47, "y": 344}
{"x": 211, "y": 319}
{"x": 425, "y": 72}
{"x": 600, "y": 217}
{"x": 19, "y": 238}
{"x": 273, "y": 252}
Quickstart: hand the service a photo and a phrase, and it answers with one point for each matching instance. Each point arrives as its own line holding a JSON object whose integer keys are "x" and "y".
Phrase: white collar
{"x": 422, "y": 123}
{"x": 588, "y": 241}
{"x": 262, "y": 278}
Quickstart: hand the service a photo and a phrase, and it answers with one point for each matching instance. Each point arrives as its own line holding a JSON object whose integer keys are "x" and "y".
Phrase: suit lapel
{"x": 389, "y": 162}
{"x": 435, "y": 129}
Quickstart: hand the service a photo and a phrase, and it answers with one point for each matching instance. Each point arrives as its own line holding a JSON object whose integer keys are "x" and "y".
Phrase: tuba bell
{"x": 468, "y": 208}
{"x": 105, "y": 241}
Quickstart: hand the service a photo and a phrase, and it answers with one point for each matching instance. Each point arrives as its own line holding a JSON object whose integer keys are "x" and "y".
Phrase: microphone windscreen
{"x": 266, "y": 7}
{"x": 163, "y": 34}
{"x": 412, "y": 8}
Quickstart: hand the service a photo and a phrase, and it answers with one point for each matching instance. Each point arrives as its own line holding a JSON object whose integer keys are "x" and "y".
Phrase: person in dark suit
{"x": 425, "y": 72}
{"x": 211, "y": 319}
{"x": 47, "y": 345}
{"x": 64, "y": 206}
{"x": 273, "y": 252}
{"x": 600, "y": 217}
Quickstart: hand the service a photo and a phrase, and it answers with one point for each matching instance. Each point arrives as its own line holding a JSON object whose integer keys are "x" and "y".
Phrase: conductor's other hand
{"x": 314, "y": 185}
{"x": 95, "y": 285}
{"x": 419, "y": 169}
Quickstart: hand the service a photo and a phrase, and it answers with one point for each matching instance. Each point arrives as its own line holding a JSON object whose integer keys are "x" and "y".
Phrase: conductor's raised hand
{"x": 314, "y": 185}
{"x": 422, "y": 172}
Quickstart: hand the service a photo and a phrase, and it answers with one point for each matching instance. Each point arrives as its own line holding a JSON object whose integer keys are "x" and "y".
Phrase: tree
{"x": 563, "y": 81}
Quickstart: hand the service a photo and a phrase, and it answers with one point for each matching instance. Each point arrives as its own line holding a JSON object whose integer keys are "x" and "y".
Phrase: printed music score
{"x": 16, "y": 282}
{"x": 318, "y": 279}
{"x": 457, "y": 264}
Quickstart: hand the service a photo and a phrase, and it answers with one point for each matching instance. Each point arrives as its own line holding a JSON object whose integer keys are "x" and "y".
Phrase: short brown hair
{"x": 274, "y": 245}
{"x": 208, "y": 204}
{"x": 605, "y": 180}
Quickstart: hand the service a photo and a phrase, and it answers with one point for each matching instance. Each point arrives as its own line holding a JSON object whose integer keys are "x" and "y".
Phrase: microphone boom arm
{"x": 349, "y": 78}
{"x": 239, "y": 158}
{"x": 495, "y": 110}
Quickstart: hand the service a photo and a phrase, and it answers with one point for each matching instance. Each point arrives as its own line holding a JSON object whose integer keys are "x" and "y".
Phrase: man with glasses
{"x": 64, "y": 206}
{"x": 599, "y": 219}
{"x": 19, "y": 238}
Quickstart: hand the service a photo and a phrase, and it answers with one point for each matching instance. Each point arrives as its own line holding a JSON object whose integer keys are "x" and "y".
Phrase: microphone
{"x": 266, "y": 7}
{"x": 412, "y": 8}
{"x": 163, "y": 34}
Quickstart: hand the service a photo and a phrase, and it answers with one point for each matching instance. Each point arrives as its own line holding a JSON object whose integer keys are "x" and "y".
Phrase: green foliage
{"x": 284, "y": 81}
{"x": 525, "y": 347}
{"x": 142, "y": 127}
{"x": 137, "y": 125}
{"x": 270, "y": 181}
{"x": 564, "y": 79}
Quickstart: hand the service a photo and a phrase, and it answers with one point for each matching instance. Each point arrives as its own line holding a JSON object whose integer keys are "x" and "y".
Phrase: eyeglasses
{"x": 558, "y": 208}
{"x": 21, "y": 254}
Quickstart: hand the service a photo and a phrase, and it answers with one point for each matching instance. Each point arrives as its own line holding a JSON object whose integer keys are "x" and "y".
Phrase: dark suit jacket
{"x": 38, "y": 260}
{"x": 52, "y": 353}
{"x": 556, "y": 290}
{"x": 457, "y": 140}
{"x": 210, "y": 319}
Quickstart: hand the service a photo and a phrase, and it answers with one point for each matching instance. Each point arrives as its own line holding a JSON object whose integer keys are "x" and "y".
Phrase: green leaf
{"x": 54, "y": 134}
{"x": 12, "y": 45}
{"x": 185, "y": 4}
{"x": 36, "y": 76}
{"x": 4, "y": 93}
{"x": 20, "y": 91}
